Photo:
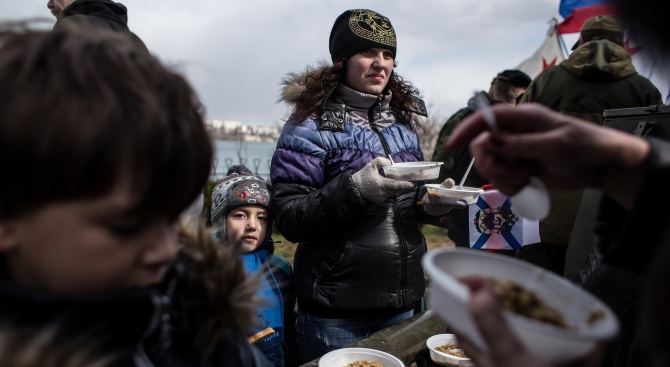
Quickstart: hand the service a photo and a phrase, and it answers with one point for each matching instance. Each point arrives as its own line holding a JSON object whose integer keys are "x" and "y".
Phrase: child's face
{"x": 246, "y": 227}
{"x": 88, "y": 245}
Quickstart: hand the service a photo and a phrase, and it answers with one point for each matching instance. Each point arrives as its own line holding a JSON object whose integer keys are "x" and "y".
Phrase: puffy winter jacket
{"x": 354, "y": 256}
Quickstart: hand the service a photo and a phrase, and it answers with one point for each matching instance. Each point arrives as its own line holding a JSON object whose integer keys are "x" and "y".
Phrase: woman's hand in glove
{"x": 375, "y": 187}
{"x": 439, "y": 209}
{"x": 434, "y": 209}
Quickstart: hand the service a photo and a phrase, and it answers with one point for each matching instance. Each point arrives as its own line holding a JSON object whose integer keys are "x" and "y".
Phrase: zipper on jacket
{"x": 140, "y": 356}
{"x": 376, "y": 128}
{"x": 396, "y": 210}
{"x": 403, "y": 253}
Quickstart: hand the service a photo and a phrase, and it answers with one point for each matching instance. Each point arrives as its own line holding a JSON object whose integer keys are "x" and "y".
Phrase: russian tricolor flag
{"x": 575, "y": 12}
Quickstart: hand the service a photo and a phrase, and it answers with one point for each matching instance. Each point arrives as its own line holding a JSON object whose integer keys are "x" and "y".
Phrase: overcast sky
{"x": 235, "y": 53}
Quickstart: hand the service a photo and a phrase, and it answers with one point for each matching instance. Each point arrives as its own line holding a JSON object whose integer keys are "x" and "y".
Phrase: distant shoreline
{"x": 249, "y": 139}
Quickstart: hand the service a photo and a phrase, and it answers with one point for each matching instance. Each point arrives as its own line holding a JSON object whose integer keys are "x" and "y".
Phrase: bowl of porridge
{"x": 438, "y": 194}
{"x": 444, "y": 350}
{"x": 551, "y": 316}
{"x": 359, "y": 357}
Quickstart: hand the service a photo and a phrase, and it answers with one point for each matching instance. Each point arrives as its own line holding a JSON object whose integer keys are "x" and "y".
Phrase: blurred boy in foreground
{"x": 101, "y": 149}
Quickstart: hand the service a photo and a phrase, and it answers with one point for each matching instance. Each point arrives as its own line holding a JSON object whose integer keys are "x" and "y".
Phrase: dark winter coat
{"x": 633, "y": 277}
{"x": 598, "y": 75}
{"x": 355, "y": 257}
{"x": 100, "y": 14}
{"x": 199, "y": 316}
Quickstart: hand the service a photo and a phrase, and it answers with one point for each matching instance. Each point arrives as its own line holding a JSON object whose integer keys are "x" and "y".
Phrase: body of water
{"x": 256, "y": 156}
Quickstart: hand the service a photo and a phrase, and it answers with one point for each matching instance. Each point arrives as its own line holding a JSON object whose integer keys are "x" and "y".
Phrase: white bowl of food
{"x": 573, "y": 321}
{"x": 438, "y": 194}
{"x": 444, "y": 350}
{"x": 413, "y": 171}
{"x": 363, "y": 357}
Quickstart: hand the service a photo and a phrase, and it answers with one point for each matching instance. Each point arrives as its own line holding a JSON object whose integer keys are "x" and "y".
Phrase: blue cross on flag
{"x": 494, "y": 224}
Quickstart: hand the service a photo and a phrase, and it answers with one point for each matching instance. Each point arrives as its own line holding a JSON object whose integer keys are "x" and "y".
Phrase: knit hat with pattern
{"x": 359, "y": 29}
{"x": 239, "y": 188}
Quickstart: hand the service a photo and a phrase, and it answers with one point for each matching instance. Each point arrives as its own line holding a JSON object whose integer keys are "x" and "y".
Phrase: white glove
{"x": 375, "y": 187}
{"x": 438, "y": 209}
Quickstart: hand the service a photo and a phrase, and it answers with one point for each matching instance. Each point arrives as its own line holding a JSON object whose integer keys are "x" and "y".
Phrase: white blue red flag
{"x": 549, "y": 53}
{"x": 575, "y": 12}
{"x": 495, "y": 225}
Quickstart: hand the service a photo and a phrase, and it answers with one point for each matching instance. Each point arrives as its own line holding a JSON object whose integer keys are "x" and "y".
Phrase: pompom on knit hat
{"x": 239, "y": 188}
{"x": 360, "y": 29}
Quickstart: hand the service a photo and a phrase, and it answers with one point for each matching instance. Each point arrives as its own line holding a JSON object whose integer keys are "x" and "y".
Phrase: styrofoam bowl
{"x": 437, "y": 194}
{"x": 445, "y": 358}
{"x": 344, "y": 356}
{"x": 413, "y": 171}
{"x": 449, "y": 300}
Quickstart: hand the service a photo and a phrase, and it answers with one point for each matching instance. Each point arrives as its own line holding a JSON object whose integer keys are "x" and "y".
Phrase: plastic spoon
{"x": 467, "y": 171}
{"x": 532, "y": 201}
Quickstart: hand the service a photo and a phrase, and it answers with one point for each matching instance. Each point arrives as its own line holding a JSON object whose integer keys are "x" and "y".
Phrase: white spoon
{"x": 467, "y": 171}
{"x": 532, "y": 201}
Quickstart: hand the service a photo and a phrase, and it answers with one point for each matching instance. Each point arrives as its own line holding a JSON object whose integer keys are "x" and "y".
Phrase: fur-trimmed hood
{"x": 217, "y": 288}
{"x": 42, "y": 348}
{"x": 293, "y": 84}
{"x": 294, "y": 88}
{"x": 201, "y": 313}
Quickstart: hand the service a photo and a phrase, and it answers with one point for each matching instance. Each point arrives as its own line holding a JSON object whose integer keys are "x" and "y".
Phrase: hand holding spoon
{"x": 532, "y": 201}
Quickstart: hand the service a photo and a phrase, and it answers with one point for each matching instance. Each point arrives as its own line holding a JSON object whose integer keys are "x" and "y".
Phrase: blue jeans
{"x": 319, "y": 335}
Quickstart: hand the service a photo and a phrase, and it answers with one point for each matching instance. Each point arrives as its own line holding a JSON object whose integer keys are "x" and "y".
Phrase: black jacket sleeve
{"x": 634, "y": 240}
{"x": 303, "y": 213}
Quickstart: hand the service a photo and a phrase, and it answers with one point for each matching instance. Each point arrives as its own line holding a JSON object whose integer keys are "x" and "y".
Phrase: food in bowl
{"x": 413, "y": 171}
{"x": 515, "y": 298}
{"x": 444, "y": 350}
{"x": 350, "y": 356}
{"x": 364, "y": 363}
{"x": 438, "y": 194}
{"x": 449, "y": 299}
{"x": 453, "y": 349}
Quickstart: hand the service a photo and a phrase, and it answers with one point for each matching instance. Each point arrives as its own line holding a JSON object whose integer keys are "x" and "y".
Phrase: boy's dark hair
{"x": 81, "y": 109}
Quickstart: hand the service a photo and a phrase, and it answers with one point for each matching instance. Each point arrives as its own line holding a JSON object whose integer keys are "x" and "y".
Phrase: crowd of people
{"x": 105, "y": 258}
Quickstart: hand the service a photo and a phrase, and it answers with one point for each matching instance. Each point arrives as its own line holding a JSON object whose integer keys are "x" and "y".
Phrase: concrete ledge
{"x": 406, "y": 340}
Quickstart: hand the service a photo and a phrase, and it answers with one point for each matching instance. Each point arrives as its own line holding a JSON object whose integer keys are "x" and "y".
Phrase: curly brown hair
{"x": 320, "y": 82}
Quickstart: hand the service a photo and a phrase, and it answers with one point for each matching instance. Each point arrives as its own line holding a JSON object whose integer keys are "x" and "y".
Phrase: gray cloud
{"x": 236, "y": 52}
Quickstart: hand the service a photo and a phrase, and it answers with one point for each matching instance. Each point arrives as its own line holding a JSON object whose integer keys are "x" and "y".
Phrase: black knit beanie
{"x": 359, "y": 29}
{"x": 515, "y": 77}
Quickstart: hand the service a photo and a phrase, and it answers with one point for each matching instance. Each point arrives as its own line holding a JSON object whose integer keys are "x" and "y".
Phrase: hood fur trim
{"x": 20, "y": 347}
{"x": 293, "y": 84}
{"x": 218, "y": 288}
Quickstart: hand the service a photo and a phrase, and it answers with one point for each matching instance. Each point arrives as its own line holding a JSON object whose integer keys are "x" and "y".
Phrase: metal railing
{"x": 256, "y": 167}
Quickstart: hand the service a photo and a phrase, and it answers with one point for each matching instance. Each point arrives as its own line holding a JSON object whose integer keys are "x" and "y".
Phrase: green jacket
{"x": 455, "y": 165}
{"x": 598, "y": 75}
{"x": 442, "y": 155}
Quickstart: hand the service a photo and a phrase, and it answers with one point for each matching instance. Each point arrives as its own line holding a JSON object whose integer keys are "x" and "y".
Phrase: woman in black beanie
{"x": 357, "y": 265}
